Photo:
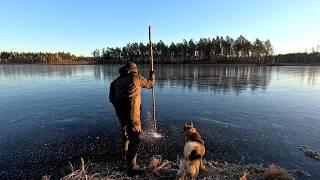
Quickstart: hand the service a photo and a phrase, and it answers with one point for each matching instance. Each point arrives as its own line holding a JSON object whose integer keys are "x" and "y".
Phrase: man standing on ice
{"x": 125, "y": 95}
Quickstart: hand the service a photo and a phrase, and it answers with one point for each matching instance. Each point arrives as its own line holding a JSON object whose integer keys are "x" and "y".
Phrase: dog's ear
{"x": 185, "y": 127}
{"x": 188, "y": 126}
{"x": 190, "y": 123}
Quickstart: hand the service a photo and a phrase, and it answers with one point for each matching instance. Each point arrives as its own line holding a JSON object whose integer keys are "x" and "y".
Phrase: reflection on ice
{"x": 203, "y": 77}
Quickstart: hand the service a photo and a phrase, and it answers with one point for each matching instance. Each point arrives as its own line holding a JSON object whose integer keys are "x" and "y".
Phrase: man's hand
{"x": 152, "y": 74}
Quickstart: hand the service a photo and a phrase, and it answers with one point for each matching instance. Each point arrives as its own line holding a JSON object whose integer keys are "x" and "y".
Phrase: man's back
{"x": 125, "y": 93}
{"x": 128, "y": 86}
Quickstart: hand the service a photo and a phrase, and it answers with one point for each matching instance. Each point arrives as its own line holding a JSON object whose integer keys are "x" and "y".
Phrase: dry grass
{"x": 93, "y": 171}
{"x": 276, "y": 172}
{"x": 164, "y": 169}
{"x": 45, "y": 177}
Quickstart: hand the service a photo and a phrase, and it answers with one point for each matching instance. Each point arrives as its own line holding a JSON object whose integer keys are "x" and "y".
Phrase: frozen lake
{"x": 53, "y": 114}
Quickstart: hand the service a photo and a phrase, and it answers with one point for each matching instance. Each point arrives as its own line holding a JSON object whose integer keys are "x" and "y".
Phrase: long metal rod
{"x": 153, "y": 95}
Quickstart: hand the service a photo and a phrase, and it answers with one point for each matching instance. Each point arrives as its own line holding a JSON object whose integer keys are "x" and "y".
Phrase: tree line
{"x": 210, "y": 50}
{"x": 223, "y": 50}
{"x": 43, "y": 58}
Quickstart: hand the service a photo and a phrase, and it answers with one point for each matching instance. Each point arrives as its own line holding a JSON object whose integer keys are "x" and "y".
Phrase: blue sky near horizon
{"x": 81, "y": 26}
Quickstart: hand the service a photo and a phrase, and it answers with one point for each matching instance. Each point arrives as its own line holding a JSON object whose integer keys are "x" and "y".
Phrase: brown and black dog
{"x": 191, "y": 161}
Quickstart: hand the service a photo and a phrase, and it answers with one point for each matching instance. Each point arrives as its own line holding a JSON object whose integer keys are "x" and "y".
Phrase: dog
{"x": 191, "y": 162}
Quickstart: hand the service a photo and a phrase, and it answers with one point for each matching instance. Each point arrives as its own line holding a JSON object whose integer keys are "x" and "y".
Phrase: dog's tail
{"x": 194, "y": 155}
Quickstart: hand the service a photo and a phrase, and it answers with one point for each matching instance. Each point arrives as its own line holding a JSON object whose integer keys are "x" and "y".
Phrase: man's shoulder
{"x": 122, "y": 79}
{"x": 118, "y": 78}
{"x": 138, "y": 76}
{"x": 114, "y": 81}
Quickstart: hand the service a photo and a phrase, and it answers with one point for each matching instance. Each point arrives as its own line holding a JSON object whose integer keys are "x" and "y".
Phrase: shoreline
{"x": 217, "y": 64}
{"x": 158, "y": 168}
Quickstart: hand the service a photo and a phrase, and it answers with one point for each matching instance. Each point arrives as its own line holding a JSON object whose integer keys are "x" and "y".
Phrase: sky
{"x": 80, "y": 26}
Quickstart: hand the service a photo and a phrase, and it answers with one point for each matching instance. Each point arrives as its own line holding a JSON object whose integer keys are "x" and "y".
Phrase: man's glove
{"x": 152, "y": 74}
